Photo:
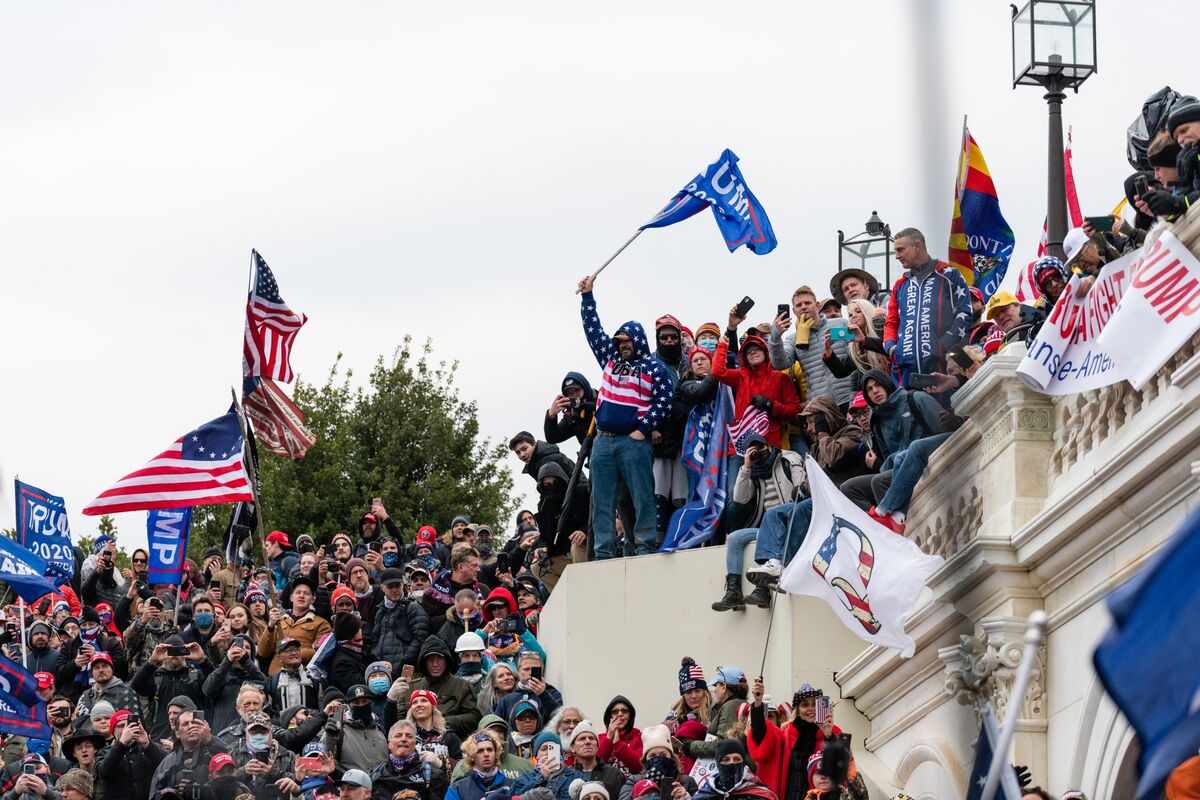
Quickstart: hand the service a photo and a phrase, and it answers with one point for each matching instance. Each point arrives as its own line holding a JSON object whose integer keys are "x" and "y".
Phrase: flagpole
{"x": 613, "y": 257}
{"x": 178, "y": 587}
{"x": 787, "y": 541}
{"x": 962, "y": 153}
{"x": 1033, "y": 641}
{"x": 24, "y": 645}
{"x": 259, "y": 518}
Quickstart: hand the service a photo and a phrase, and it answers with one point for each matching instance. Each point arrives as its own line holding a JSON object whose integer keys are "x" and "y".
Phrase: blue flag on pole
{"x": 23, "y": 571}
{"x": 17, "y": 682}
{"x": 167, "y": 536}
{"x": 696, "y": 522}
{"x": 989, "y": 732}
{"x": 42, "y": 528}
{"x": 23, "y": 720}
{"x": 1141, "y": 660}
{"x": 742, "y": 220}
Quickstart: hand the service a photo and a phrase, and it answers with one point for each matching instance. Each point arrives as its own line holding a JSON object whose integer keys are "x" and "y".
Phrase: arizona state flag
{"x": 981, "y": 242}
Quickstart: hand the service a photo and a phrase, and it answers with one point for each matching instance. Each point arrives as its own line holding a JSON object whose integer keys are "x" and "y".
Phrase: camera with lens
{"x": 508, "y": 625}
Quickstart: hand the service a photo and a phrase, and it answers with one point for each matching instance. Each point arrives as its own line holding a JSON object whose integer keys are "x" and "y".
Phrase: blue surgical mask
{"x": 708, "y": 344}
{"x": 391, "y": 559}
{"x": 258, "y": 741}
{"x": 203, "y": 619}
{"x": 378, "y": 685}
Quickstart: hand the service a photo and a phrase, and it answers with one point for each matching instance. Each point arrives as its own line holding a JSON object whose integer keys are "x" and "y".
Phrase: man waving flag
{"x": 870, "y": 577}
{"x": 201, "y": 467}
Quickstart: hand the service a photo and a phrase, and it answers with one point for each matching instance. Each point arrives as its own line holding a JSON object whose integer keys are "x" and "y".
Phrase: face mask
{"x": 89, "y": 634}
{"x": 378, "y": 685}
{"x": 204, "y": 619}
{"x": 470, "y": 668}
{"x": 105, "y": 618}
{"x": 258, "y": 741}
{"x": 661, "y": 767}
{"x": 360, "y": 713}
{"x": 155, "y": 625}
{"x": 709, "y": 344}
{"x": 416, "y": 594}
{"x": 728, "y": 775}
{"x": 485, "y": 548}
{"x": 391, "y": 559}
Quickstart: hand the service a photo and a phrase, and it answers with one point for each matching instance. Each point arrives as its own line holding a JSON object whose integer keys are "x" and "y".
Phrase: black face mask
{"x": 361, "y": 713}
{"x": 671, "y": 353}
{"x": 728, "y": 775}
{"x": 661, "y": 767}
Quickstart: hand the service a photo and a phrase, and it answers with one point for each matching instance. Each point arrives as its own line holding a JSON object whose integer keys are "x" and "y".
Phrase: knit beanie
{"x": 346, "y": 626}
{"x": 656, "y": 736}
{"x": 78, "y": 780}
{"x": 699, "y": 351}
{"x": 581, "y": 789}
{"x": 103, "y": 708}
{"x": 709, "y": 327}
{"x": 543, "y": 737}
{"x": 1187, "y": 110}
{"x": 727, "y": 746}
{"x": 182, "y": 701}
{"x": 340, "y": 592}
{"x": 814, "y": 763}
{"x": 378, "y": 666}
{"x": 691, "y": 675}
{"x": 585, "y": 726}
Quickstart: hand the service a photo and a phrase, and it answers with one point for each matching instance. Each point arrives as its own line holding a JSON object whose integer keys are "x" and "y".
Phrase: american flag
{"x": 753, "y": 421}
{"x": 270, "y": 328}
{"x": 1027, "y": 288}
{"x": 201, "y": 467}
{"x": 278, "y": 425}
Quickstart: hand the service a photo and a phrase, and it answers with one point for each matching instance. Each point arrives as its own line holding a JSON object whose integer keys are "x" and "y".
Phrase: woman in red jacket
{"x": 756, "y": 385}
{"x": 621, "y": 743}
{"x": 782, "y": 753}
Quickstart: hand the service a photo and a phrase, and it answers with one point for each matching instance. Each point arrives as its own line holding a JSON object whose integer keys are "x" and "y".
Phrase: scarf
{"x": 292, "y": 688}
{"x": 389, "y": 603}
{"x": 486, "y": 778}
{"x": 402, "y": 763}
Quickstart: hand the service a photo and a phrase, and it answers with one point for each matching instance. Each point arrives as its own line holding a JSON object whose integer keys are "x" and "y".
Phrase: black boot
{"x": 761, "y": 596}
{"x": 732, "y": 601}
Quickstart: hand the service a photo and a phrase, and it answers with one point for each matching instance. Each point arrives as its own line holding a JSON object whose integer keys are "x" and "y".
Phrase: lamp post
{"x": 1054, "y": 46}
{"x": 862, "y": 246}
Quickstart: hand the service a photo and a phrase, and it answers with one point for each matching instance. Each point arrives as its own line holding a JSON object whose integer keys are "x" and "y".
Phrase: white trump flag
{"x": 870, "y": 576}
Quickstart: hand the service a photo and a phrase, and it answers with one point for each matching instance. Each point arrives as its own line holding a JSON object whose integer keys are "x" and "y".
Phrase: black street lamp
{"x": 862, "y": 246}
{"x": 1054, "y": 46}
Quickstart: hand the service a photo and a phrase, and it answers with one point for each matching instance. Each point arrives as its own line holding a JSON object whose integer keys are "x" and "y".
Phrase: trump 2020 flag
{"x": 870, "y": 577}
{"x": 17, "y": 682}
{"x": 21, "y": 719}
{"x": 42, "y": 527}
{"x": 696, "y": 522}
{"x": 742, "y": 220}
{"x": 23, "y": 571}
{"x": 167, "y": 532}
{"x": 202, "y": 466}
{"x": 1141, "y": 660}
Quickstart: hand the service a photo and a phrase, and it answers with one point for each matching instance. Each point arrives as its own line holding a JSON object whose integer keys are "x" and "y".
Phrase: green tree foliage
{"x": 406, "y": 437}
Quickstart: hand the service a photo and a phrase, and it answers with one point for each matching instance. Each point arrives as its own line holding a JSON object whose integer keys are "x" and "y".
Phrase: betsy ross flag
{"x": 739, "y": 215}
{"x": 869, "y": 576}
{"x": 278, "y": 425}
{"x": 981, "y": 242}
{"x": 203, "y": 466}
{"x": 270, "y": 327}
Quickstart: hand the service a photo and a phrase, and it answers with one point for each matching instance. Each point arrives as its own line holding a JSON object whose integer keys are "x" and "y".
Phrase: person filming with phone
{"x": 268, "y": 768}
{"x": 124, "y": 767}
{"x": 174, "y": 670}
{"x": 550, "y": 772}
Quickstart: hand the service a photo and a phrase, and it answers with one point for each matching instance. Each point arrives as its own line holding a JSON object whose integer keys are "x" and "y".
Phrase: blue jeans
{"x": 772, "y": 533}
{"x": 735, "y": 549}
{"x": 907, "y": 468}
{"x": 630, "y": 460}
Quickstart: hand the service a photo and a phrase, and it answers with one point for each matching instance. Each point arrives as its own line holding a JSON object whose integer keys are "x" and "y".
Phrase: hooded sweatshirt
{"x": 456, "y": 698}
{"x": 634, "y": 394}
{"x": 901, "y": 419}
{"x": 836, "y": 445}
{"x": 550, "y": 507}
{"x": 573, "y": 422}
{"x": 510, "y": 765}
{"x": 626, "y": 753}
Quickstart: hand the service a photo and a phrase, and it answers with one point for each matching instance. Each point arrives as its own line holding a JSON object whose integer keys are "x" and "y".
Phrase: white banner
{"x": 1141, "y": 309}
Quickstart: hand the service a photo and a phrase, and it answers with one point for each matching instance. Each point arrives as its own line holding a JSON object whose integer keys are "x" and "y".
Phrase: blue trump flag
{"x": 167, "y": 532}
{"x": 742, "y": 220}
{"x": 23, "y": 720}
{"x": 696, "y": 522}
{"x": 18, "y": 683}
{"x": 1143, "y": 661}
{"x": 23, "y": 571}
{"x": 42, "y": 528}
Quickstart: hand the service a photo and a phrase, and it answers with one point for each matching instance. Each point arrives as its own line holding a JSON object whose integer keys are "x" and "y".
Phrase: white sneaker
{"x": 771, "y": 569}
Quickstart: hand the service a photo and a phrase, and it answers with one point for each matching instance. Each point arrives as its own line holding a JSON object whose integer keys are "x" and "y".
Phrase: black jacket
{"x": 397, "y": 632}
{"x": 160, "y": 685}
{"x": 222, "y": 686}
{"x": 546, "y": 453}
{"x": 66, "y": 671}
{"x": 428, "y": 783}
{"x": 346, "y": 669}
{"x": 576, "y": 422}
{"x": 125, "y": 772}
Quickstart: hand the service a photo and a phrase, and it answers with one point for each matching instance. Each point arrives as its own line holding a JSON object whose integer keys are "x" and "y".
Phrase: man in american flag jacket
{"x": 633, "y": 400}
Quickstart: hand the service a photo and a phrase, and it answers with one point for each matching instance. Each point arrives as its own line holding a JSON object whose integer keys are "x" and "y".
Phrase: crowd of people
{"x": 406, "y": 665}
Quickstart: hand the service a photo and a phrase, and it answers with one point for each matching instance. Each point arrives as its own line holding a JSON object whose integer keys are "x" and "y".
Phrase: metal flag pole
{"x": 24, "y": 643}
{"x": 252, "y": 473}
{"x": 178, "y": 589}
{"x": 613, "y": 257}
{"x": 1033, "y": 640}
{"x": 787, "y": 543}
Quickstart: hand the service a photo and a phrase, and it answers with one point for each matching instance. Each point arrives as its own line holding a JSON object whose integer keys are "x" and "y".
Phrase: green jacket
{"x": 456, "y": 697}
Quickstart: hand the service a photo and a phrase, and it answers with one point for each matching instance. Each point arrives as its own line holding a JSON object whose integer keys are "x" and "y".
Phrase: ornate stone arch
{"x": 1104, "y": 755}
{"x": 929, "y": 770}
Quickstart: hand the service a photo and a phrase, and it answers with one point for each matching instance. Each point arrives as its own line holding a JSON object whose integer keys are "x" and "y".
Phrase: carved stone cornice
{"x": 983, "y": 667}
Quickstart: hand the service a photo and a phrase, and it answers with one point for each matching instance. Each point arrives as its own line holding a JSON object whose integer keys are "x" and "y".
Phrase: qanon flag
{"x": 981, "y": 242}
{"x": 42, "y": 527}
{"x": 742, "y": 220}
{"x": 869, "y": 576}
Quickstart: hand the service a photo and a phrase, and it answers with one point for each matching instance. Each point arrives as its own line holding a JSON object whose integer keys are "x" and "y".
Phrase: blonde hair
{"x": 437, "y": 722}
{"x": 470, "y": 746}
{"x": 681, "y": 709}
{"x": 865, "y": 359}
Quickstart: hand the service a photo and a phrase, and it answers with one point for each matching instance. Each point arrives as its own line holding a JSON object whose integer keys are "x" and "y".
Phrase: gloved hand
{"x": 398, "y": 689}
{"x": 1023, "y": 776}
{"x": 804, "y": 327}
{"x": 1165, "y": 204}
{"x": 762, "y": 403}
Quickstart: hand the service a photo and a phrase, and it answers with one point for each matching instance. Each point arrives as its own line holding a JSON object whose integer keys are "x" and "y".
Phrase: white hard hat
{"x": 468, "y": 642}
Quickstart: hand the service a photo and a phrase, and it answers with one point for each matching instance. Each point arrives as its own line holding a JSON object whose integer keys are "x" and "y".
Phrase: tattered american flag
{"x": 270, "y": 328}
{"x": 753, "y": 421}
{"x": 278, "y": 425}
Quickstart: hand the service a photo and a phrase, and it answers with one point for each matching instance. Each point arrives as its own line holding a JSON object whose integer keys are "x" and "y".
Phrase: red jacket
{"x": 775, "y": 750}
{"x": 626, "y": 754}
{"x": 746, "y": 383}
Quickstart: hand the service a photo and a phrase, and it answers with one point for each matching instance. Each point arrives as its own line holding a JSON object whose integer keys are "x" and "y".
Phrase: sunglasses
{"x": 668, "y": 337}
{"x": 139, "y": 561}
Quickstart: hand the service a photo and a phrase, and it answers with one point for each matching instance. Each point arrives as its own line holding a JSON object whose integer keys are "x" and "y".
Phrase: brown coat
{"x": 308, "y": 630}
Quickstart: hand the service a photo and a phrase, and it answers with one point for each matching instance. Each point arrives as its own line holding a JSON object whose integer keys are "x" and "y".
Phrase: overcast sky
{"x": 451, "y": 170}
